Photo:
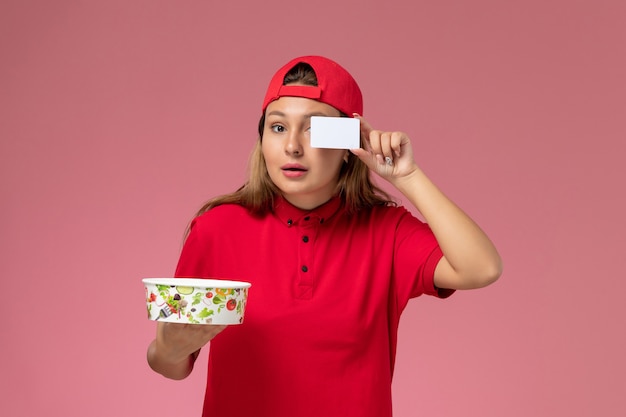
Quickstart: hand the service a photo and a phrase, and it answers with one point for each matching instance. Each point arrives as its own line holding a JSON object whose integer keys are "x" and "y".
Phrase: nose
{"x": 293, "y": 144}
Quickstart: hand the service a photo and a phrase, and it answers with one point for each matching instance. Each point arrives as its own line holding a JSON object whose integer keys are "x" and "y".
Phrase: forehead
{"x": 300, "y": 106}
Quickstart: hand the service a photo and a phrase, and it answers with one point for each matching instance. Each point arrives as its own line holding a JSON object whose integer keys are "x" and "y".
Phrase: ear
{"x": 345, "y": 157}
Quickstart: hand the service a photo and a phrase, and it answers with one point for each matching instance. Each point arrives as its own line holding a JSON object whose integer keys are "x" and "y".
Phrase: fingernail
{"x": 388, "y": 160}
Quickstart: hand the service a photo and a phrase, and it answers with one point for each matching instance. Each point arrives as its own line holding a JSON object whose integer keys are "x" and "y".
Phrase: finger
{"x": 374, "y": 141}
{"x": 385, "y": 145}
{"x": 397, "y": 139}
{"x": 204, "y": 333}
{"x": 368, "y": 158}
{"x": 184, "y": 334}
{"x": 376, "y": 145}
{"x": 364, "y": 125}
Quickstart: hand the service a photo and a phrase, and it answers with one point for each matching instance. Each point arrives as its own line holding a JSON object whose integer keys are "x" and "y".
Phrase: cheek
{"x": 266, "y": 150}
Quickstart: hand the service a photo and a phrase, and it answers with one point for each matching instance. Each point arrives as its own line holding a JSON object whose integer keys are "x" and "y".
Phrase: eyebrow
{"x": 305, "y": 116}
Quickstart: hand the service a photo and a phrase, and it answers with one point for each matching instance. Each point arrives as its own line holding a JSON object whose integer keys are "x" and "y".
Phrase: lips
{"x": 293, "y": 168}
{"x": 293, "y": 171}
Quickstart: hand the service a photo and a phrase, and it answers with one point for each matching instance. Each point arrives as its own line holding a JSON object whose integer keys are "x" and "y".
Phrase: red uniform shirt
{"x": 320, "y": 330}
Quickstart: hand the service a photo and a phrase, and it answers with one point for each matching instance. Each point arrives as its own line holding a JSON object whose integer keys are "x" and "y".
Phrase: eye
{"x": 276, "y": 128}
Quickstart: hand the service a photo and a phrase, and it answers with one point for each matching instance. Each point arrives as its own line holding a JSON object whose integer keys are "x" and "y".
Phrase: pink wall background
{"x": 119, "y": 118}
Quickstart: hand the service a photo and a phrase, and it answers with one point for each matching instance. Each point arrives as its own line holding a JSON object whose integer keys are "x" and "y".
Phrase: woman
{"x": 332, "y": 261}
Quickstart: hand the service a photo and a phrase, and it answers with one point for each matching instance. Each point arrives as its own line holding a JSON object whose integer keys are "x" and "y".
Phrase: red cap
{"x": 335, "y": 86}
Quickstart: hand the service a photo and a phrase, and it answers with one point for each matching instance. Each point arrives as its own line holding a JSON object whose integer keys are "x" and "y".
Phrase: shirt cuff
{"x": 429, "y": 275}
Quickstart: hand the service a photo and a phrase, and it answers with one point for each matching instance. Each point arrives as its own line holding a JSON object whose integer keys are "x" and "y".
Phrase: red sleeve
{"x": 429, "y": 275}
{"x": 416, "y": 255}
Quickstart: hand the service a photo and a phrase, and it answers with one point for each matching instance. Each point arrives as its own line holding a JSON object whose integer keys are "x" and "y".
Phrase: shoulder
{"x": 223, "y": 211}
{"x": 380, "y": 220}
{"x": 225, "y": 215}
{"x": 395, "y": 221}
{"x": 390, "y": 214}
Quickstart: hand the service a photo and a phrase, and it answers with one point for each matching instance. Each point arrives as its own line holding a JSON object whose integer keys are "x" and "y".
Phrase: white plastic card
{"x": 335, "y": 132}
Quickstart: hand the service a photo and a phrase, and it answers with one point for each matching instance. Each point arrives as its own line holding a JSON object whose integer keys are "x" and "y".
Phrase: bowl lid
{"x": 197, "y": 282}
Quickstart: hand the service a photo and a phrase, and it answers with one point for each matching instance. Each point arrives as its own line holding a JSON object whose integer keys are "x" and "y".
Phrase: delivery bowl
{"x": 196, "y": 300}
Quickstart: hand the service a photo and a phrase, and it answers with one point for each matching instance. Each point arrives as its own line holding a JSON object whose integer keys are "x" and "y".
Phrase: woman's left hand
{"x": 389, "y": 154}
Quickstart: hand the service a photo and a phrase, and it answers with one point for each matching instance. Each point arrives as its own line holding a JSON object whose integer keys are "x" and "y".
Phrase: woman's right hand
{"x": 176, "y": 347}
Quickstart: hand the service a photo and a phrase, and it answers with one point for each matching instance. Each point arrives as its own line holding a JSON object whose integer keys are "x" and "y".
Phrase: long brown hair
{"x": 354, "y": 186}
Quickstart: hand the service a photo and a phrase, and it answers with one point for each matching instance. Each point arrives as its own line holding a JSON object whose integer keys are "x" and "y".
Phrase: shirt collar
{"x": 290, "y": 215}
